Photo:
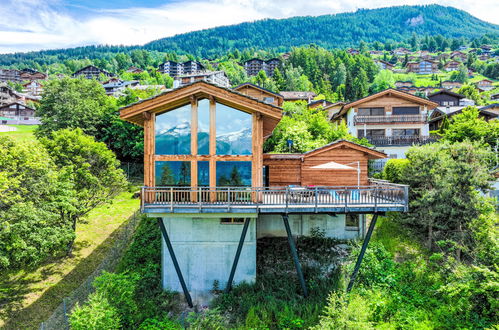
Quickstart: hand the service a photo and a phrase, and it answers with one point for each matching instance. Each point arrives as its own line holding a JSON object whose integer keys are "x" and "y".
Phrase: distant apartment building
{"x": 175, "y": 69}
{"x": 256, "y": 65}
{"x": 18, "y": 114}
{"x": 10, "y": 75}
{"x": 91, "y": 72}
{"x": 30, "y": 74}
{"x": 218, "y": 78}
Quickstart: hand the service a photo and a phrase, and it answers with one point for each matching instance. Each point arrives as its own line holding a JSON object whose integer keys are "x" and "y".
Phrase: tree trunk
{"x": 69, "y": 252}
{"x": 430, "y": 235}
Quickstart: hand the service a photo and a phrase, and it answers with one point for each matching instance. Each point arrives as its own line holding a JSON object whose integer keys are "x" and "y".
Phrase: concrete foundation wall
{"x": 205, "y": 251}
{"x": 271, "y": 225}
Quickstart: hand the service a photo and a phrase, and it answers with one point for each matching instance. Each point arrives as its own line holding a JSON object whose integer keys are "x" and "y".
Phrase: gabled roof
{"x": 373, "y": 154}
{"x": 389, "y": 92}
{"x": 175, "y": 98}
{"x": 256, "y": 87}
{"x": 448, "y": 92}
{"x": 93, "y": 67}
{"x": 297, "y": 95}
{"x": 18, "y": 103}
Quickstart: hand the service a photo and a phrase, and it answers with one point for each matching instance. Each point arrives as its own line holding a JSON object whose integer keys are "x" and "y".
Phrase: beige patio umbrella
{"x": 338, "y": 166}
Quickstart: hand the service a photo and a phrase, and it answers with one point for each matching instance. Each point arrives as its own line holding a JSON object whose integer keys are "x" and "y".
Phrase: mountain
{"x": 330, "y": 31}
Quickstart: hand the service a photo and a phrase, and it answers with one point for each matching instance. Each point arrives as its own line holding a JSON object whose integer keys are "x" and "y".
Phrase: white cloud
{"x": 46, "y": 24}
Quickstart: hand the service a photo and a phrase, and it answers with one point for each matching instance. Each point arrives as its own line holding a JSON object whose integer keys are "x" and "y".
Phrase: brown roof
{"x": 297, "y": 95}
{"x": 374, "y": 154}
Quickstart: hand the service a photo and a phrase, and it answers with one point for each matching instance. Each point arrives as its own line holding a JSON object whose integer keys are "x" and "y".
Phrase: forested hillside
{"x": 385, "y": 25}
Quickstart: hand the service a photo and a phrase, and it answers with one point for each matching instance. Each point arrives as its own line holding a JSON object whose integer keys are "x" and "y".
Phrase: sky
{"x": 47, "y": 24}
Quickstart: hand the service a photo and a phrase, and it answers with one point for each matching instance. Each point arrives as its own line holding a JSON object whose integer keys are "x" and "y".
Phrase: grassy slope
{"x": 23, "y": 132}
{"x": 28, "y": 296}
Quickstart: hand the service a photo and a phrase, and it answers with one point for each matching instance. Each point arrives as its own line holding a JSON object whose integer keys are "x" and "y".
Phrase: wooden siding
{"x": 259, "y": 94}
{"x": 283, "y": 172}
{"x": 387, "y": 102}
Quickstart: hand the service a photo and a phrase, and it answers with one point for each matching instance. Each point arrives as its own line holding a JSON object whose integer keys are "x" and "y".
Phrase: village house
{"x": 392, "y": 120}
{"x": 422, "y": 67}
{"x": 33, "y": 87}
{"x": 116, "y": 86}
{"x": 446, "y": 98}
{"x": 10, "y": 75}
{"x": 214, "y": 192}
{"x": 91, "y": 72}
{"x": 260, "y": 94}
{"x": 353, "y": 51}
{"x": 401, "y": 51}
{"x": 485, "y": 84}
{"x": 293, "y": 96}
{"x": 18, "y": 114}
{"x": 8, "y": 95}
{"x": 134, "y": 69}
{"x": 256, "y": 65}
{"x": 449, "y": 84}
{"x": 438, "y": 116}
{"x": 384, "y": 65}
{"x": 30, "y": 74}
{"x": 330, "y": 107}
{"x": 452, "y": 66}
{"x": 215, "y": 77}
{"x": 403, "y": 84}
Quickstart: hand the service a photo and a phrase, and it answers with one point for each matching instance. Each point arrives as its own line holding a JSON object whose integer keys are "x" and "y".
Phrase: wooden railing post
{"x": 171, "y": 199}
{"x": 316, "y": 198}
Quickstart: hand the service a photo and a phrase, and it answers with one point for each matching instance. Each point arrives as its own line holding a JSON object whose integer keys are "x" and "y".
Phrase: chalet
{"x": 452, "y": 66}
{"x": 10, "y": 75}
{"x": 18, "y": 114}
{"x": 298, "y": 96}
{"x": 484, "y": 57}
{"x": 33, "y": 87}
{"x": 134, "y": 69}
{"x": 443, "y": 56}
{"x": 30, "y": 74}
{"x": 392, "y": 120}
{"x": 437, "y": 117}
{"x": 486, "y": 49}
{"x": 458, "y": 56}
{"x": 404, "y": 84}
{"x": 384, "y": 65}
{"x": 91, "y": 72}
{"x": 422, "y": 67}
{"x": 494, "y": 96}
{"x": 213, "y": 191}
{"x": 319, "y": 104}
{"x": 446, "y": 98}
{"x": 174, "y": 69}
{"x": 334, "y": 108}
{"x": 285, "y": 56}
{"x": 376, "y": 52}
{"x": 215, "y": 77}
{"x": 116, "y": 87}
{"x": 408, "y": 89}
{"x": 353, "y": 51}
{"x": 260, "y": 94}
{"x": 485, "y": 84}
{"x": 8, "y": 95}
{"x": 401, "y": 51}
{"x": 256, "y": 65}
{"x": 449, "y": 84}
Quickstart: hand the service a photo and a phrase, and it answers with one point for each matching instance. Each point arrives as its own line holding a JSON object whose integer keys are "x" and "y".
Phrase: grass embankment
{"x": 22, "y": 132}
{"x": 29, "y": 296}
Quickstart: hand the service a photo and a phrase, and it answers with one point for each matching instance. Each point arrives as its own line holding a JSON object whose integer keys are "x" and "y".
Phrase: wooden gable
{"x": 259, "y": 93}
{"x": 390, "y": 97}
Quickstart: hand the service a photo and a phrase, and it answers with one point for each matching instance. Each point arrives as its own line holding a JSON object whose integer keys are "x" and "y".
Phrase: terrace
{"x": 379, "y": 196}
{"x": 381, "y": 119}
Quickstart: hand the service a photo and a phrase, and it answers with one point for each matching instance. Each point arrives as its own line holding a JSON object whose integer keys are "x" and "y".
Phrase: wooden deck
{"x": 380, "y": 196}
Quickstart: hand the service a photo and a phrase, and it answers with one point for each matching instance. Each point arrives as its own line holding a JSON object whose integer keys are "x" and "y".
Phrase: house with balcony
{"x": 215, "y": 77}
{"x": 214, "y": 192}
{"x": 255, "y": 65}
{"x": 392, "y": 120}
{"x": 260, "y": 94}
{"x": 423, "y": 67}
{"x": 91, "y": 72}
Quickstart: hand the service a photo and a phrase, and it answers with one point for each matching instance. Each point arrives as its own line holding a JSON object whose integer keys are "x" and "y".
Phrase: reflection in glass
{"x": 203, "y": 127}
{"x": 203, "y": 174}
{"x": 173, "y": 174}
{"x": 233, "y": 131}
{"x": 173, "y": 132}
{"x": 233, "y": 174}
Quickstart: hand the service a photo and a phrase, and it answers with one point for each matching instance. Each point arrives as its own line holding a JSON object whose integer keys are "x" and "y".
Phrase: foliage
{"x": 468, "y": 125}
{"x": 460, "y": 75}
{"x": 384, "y": 79}
{"x": 470, "y": 92}
{"x": 92, "y": 169}
{"x": 97, "y": 313}
{"x": 159, "y": 324}
{"x": 210, "y": 319}
{"x": 394, "y": 170}
{"x": 33, "y": 195}
{"x": 72, "y": 103}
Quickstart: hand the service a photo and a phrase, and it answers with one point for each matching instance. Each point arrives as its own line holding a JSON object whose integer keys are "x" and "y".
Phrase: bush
{"x": 394, "y": 170}
{"x": 159, "y": 324}
{"x": 97, "y": 313}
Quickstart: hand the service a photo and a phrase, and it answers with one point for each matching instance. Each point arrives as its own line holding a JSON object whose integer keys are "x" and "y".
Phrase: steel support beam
{"x": 238, "y": 254}
{"x": 175, "y": 262}
{"x": 294, "y": 254}
{"x": 362, "y": 252}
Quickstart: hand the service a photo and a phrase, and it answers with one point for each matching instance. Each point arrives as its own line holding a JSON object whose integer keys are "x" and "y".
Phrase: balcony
{"x": 389, "y": 119}
{"x": 379, "y": 196}
{"x": 400, "y": 140}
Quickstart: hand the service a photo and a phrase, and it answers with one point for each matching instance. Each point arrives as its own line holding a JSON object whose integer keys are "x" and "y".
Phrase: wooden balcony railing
{"x": 389, "y": 119}
{"x": 378, "y": 194}
{"x": 400, "y": 140}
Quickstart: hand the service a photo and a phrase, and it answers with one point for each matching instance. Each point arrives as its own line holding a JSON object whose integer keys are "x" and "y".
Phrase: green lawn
{"x": 22, "y": 132}
{"x": 29, "y": 296}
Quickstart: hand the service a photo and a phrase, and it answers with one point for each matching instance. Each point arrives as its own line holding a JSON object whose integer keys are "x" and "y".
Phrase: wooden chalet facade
{"x": 204, "y": 168}
{"x": 423, "y": 67}
{"x": 446, "y": 98}
{"x": 452, "y": 66}
{"x": 256, "y": 65}
{"x": 18, "y": 114}
{"x": 218, "y": 78}
{"x": 260, "y": 94}
{"x": 91, "y": 72}
{"x": 488, "y": 112}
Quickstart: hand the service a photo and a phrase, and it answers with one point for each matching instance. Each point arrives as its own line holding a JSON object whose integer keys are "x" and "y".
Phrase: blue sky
{"x": 47, "y": 24}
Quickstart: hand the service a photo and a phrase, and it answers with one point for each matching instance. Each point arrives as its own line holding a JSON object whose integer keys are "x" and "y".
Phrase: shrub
{"x": 394, "y": 170}
{"x": 159, "y": 324}
{"x": 97, "y": 313}
{"x": 210, "y": 319}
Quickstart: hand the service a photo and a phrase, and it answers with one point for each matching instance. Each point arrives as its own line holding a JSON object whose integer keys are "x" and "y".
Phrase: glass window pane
{"x": 173, "y": 132}
{"x": 405, "y": 110}
{"x": 233, "y": 131}
{"x": 364, "y": 112}
{"x": 233, "y": 174}
{"x": 377, "y": 111}
{"x": 173, "y": 174}
{"x": 203, "y": 173}
{"x": 203, "y": 127}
